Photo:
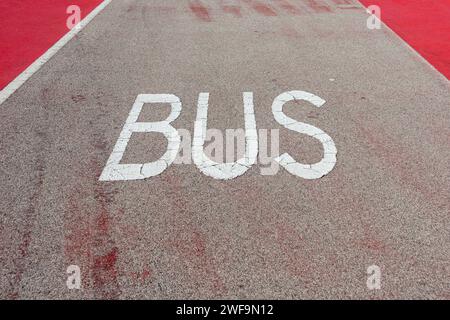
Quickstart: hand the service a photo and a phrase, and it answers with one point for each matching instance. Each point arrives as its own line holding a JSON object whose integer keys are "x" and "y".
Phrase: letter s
{"x": 306, "y": 171}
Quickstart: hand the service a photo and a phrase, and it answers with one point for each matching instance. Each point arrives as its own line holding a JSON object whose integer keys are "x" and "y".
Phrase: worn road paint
{"x": 231, "y": 7}
{"x": 114, "y": 171}
{"x": 318, "y": 6}
{"x": 200, "y": 11}
{"x": 289, "y": 7}
{"x": 306, "y": 171}
{"x": 262, "y": 8}
{"x": 224, "y": 171}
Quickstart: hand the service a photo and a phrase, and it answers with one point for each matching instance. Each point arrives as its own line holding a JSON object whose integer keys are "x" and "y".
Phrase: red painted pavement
{"x": 423, "y": 24}
{"x": 28, "y": 28}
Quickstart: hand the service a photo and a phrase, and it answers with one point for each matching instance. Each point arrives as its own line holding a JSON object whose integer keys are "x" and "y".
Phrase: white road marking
{"x": 227, "y": 170}
{"x": 36, "y": 65}
{"x": 114, "y": 171}
{"x": 306, "y": 171}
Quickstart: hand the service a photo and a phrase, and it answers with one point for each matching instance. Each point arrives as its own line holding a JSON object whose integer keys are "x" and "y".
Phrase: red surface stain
{"x": 194, "y": 245}
{"x": 343, "y": 2}
{"x": 140, "y": 277}
{"x": 294, "y": 251}
{"x": 200, "y": 11}
{"x": 289, "y": 7}
{"x": 78, "y": 236}
{"x": 104, "y": 271}
{"x": 441, "y": 132}
{"x": 191, "y": 245}
{"x": 318, "y": 6}
{"x": 162, "y": 9}
{"x": 89, "y": 244}
{"x": 20, "y": 260}
{"x": 234, "y": 10}
{"x": 291, "y": 248}
{"x": 371, "y": 241}
{"x": 146, "y": 273}
{"x": 261, "y": 8}
{"x": 365, "y": 235}
{"x": 189, "y": 242}
{"x": 424, "y": 25}
{"x": 408, "y": 167}
{"x": 89, "y": 221}
{"x": 290, "y": 32}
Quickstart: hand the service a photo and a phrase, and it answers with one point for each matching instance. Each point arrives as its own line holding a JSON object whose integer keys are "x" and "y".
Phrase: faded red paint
{"x": 89, "y": 240}
{"x": 161, "y": 9}
{"x": 104, "y": 270}
{"x": 292, "y": 246}
{"x": 78, "y": 237}
{"x": 407, "y": 166}
{"x": 371, "y": 240}
{"x": 289, "y": 32}
{"x": 191, "y": 245}
{"x": 146, "y": 273}
{"x": 289, "y": 7}
{"x": 343, "y": 2}
{"x": 318, "y": 6}
{"x": 140, "y": 277}
{"x": 188, "y": 241}
{"x": 261, "y": 8}
{"x": 234, "y": 10}
{"x": 20, "y": 259}
{"x": 200, "y": 11}
{"x": 103, "y": 222}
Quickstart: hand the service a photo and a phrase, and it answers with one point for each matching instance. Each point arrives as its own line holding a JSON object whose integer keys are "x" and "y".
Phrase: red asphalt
{"x": 423, "y": 24}
{"x": 29, "y": 28}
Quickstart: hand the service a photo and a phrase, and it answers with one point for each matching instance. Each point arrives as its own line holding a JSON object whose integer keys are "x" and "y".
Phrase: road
{"x": 184, "y": 234}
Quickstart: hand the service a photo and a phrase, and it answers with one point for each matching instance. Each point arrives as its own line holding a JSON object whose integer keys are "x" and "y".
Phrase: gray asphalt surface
{"x": 182, "y": 234}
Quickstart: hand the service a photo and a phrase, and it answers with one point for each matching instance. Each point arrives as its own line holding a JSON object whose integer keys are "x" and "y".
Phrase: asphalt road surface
{"x": 184, "y": 234}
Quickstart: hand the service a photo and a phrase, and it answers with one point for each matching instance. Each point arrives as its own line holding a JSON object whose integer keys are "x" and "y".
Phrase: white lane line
{"x": 36, "y": 65}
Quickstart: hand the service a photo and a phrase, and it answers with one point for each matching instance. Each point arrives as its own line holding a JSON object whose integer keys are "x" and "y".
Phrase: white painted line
{"x": 36, "y": 65}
